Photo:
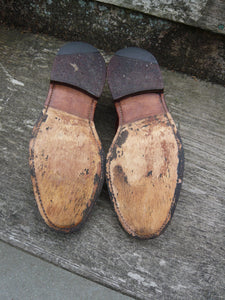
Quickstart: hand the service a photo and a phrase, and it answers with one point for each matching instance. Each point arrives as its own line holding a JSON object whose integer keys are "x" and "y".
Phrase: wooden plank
{"x": 204, "y": 14}
{"x": 177, "y": 46}
{"x": 187, "y": 261}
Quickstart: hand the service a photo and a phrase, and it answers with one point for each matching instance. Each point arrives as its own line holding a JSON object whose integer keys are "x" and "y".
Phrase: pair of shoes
{"x": 144, "y": 165}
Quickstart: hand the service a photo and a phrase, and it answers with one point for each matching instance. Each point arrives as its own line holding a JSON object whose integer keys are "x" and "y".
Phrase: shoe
{"x": 66, "y": 156}
{"x": 144, "y": 165}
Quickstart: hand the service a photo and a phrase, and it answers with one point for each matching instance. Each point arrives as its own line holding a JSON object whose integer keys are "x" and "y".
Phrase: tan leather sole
{"x": 66, "y": 158}
{"x": 144, "y": 165}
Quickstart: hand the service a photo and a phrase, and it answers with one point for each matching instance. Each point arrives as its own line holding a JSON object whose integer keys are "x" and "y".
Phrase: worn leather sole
{"x": 66, "y": 156}
{"x": 144, "y": 166}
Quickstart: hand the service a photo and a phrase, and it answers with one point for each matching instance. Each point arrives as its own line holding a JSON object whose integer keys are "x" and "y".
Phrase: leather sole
{"x": 66, "y": 156}
{"x": 144, "y": 166}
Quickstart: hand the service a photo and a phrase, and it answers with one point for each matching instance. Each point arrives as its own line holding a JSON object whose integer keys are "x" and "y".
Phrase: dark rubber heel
{"x": 80, "y": 65}
{"x": 133, "y": 70}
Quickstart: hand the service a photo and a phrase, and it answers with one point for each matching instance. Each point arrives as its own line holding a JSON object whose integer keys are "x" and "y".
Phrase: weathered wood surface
{"x": 188, "y": 260}
{"x": 177, "y": 46}
{"x": 205, "y": 14}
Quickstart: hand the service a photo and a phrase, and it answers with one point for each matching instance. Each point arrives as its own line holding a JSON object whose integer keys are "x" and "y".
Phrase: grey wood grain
{"x": 177, "y": 46}
{"x": 188, "y": 260}
{"x": 205, "y": 14}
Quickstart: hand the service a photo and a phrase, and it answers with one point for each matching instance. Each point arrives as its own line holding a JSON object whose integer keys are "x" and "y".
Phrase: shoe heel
{"x": 133, "y": 70}
{"x": 80, "y": 65}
